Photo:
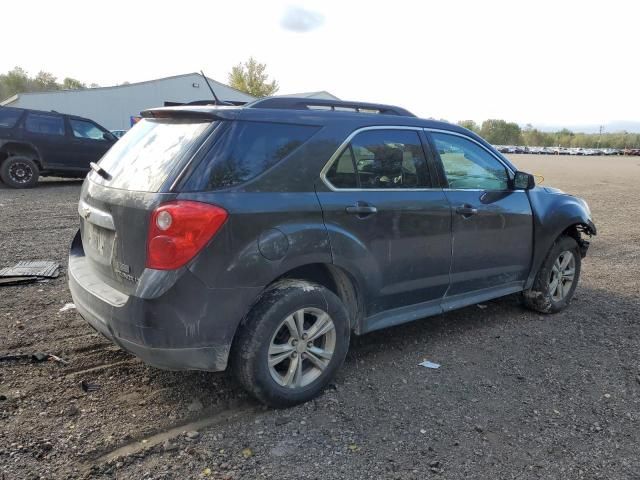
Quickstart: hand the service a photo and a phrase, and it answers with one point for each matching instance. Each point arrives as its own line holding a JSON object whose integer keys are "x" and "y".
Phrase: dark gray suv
{"x": 262, "y": 236}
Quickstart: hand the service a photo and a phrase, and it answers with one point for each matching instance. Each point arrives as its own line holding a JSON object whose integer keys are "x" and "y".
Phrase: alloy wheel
{"x": 301, "y": 348}
{"x": 562, "y": 275}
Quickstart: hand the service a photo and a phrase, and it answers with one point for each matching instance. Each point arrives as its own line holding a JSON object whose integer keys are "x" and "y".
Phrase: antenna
{"x": 215, "y": 97}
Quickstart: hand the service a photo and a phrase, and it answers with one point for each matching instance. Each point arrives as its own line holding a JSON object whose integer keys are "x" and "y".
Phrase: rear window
{"x": 145, "y": 158}
{"x": 45, "y": 124}
{"x": 245, "y": 150}
{"x": 9, "y": 117}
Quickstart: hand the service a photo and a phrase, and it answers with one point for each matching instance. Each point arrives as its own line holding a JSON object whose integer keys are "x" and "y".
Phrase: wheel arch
{"x": 12, "y": 149}
{"x": 332, "y": 277}
{"x": 335, "y": 279}
{"x": 577, "y": 231}
{"x": 555, "y": 215}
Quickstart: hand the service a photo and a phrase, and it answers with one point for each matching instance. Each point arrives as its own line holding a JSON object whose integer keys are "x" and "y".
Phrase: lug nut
{"x": 294, "y": 342}
{"x": 294, "y": 355}
{"x": 310, "y": 345}
{"x": 304, "y": 336}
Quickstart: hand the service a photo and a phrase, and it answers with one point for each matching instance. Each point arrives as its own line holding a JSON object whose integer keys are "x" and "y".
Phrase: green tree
{"x": 45, "y": 81}
{"x": 250, "y": 77}
{"x": 72, "y": 84}
{"x": 499, "y": 132}
{"x": 469, "y": 125}
{"x": 564, "y": 137}
{"x": 535, "y": 138}
{"x": 14, "y": 81}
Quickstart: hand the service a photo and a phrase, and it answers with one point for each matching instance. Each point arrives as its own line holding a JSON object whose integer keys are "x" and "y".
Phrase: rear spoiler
{"x": 189, "y": 112}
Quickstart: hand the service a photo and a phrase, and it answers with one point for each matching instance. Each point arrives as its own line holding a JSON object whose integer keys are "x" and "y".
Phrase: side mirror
{"x": 109, "y": 136}
{"x": 523, "y": 181}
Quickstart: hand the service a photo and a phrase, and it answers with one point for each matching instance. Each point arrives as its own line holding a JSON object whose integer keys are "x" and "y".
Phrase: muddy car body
{"x": 262, "y": 236}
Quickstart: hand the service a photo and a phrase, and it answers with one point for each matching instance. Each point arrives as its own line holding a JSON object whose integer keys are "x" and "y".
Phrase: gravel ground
{"x": 518, "y": 395}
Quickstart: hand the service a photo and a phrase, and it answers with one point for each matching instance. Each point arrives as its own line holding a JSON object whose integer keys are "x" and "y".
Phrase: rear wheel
{"x": 557, "y": 279}
{"x": 19, "y": 172}
{"x": 293, "y": 342}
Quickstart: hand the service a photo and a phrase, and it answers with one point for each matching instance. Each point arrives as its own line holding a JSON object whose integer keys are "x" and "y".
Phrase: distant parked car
{"x": 34, "y": 143}
{"x": 610, "y": 151}
{"x": 119, "y": 133}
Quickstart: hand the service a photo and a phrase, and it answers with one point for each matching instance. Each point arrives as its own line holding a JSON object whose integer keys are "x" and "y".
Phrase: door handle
{"x": 466, "y": 210}
{"x": 362, "y": 209}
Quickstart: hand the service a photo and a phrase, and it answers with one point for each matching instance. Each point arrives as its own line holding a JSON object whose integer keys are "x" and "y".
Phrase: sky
{"x": 543, "y": 62}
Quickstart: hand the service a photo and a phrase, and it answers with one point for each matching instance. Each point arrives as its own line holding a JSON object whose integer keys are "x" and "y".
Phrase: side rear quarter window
{"x": 9, "y": 117}
{"x": 468, "y": 166}
{"x": 44, "y": 124}
{"x": 244, "y": 151}
{"x": 381, "y": 159}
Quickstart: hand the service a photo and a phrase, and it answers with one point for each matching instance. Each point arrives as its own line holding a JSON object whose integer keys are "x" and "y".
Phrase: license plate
{"x": 99, "y": 239}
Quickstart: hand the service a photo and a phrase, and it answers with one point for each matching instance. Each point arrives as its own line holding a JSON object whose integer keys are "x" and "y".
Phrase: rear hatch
{"x": 135, "y": 176}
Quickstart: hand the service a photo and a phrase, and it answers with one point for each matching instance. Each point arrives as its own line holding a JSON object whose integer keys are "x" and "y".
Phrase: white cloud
{"x": 298, "y": 19}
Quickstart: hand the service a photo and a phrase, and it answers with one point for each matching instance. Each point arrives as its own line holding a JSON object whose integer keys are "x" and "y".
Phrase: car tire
{"x": 557, "y": 278}
{"x": 19, "y": 172}
{"x": 282, "y": 363}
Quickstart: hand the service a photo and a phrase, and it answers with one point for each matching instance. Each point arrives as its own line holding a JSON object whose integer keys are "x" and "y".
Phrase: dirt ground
{"x": 519, "y": 395}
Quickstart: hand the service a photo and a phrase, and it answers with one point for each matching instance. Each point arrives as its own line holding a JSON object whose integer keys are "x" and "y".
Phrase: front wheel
{"x": 557, "y": 278}
{"x": 19, "y": 172}
{"x": 291, "y": 344}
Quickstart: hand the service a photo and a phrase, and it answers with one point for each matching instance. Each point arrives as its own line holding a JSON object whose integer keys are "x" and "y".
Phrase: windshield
{"x": 143, "y": 159}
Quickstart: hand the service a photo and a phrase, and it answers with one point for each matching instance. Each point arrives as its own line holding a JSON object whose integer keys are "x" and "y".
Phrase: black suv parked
{"x": 35, "y": 143}
{"x": 265, "y": 235}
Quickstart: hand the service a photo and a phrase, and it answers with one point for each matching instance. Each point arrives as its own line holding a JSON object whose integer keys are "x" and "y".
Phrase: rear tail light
{"x": 178, "y": 231}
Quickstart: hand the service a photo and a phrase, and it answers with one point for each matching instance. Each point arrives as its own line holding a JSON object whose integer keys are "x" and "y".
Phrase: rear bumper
{"x": 188, "y": 327}
{"x": 198, "y": 358}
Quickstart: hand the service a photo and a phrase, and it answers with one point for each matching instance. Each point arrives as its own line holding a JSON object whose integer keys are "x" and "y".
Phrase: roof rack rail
{"x": 298, "y": 103}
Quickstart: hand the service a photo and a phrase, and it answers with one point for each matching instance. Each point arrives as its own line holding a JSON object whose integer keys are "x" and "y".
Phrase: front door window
{"x": 469, "y": 166}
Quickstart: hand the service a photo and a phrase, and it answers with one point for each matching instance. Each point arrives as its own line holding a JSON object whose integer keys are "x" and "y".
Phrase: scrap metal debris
{"x": 89, "y": 387}
{"x": 36, "y": 357}
{"x": 68, "y": 306}
{"x": 29, "y": 271}
{"x": 429, "y": 364}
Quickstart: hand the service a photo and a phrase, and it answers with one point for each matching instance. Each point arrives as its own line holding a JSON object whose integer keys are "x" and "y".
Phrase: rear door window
{"x": 44, "y": 124}
{"x": 245, "y": 150}
{"x": 381, "y": 159}
{"x": 150, "y": 153}
{"x": 9, "y": 117}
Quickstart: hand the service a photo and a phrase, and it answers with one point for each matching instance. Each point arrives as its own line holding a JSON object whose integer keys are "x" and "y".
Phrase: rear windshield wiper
{"x": 100, "y": 171}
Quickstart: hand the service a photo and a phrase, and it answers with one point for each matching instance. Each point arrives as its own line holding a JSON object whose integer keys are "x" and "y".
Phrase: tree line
{"x": 500, "y": 132}
{"x": 251, "y": 77}
{"x": 19, "y": 81}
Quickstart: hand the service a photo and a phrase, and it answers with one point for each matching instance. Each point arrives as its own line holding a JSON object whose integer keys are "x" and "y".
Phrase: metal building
{"x": 113, "y": 107}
